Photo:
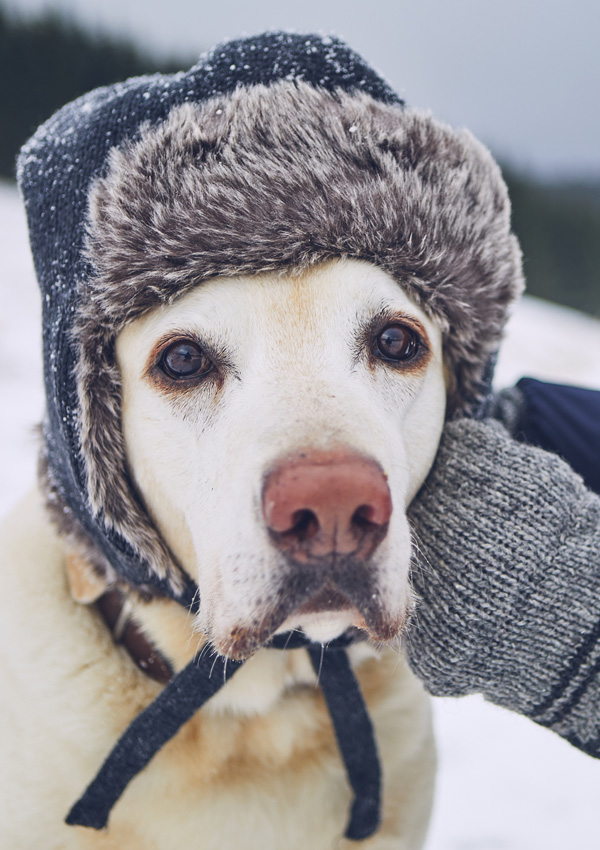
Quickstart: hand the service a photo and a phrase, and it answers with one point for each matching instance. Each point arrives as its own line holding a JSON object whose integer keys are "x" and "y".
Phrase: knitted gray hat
{"x": 272, "y": 153}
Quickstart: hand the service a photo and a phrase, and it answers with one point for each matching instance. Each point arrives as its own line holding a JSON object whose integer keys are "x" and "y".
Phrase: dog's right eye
{"x": 397, "y": 343}
{"x": 185, "y": 359}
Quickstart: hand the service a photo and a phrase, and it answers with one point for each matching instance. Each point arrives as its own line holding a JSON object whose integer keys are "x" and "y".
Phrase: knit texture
{"x": 507, "y": 571}
{"x": 508, "y": 406}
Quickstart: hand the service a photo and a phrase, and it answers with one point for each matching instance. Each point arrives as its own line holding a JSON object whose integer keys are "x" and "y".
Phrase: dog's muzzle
{"x": 326, "y": 512}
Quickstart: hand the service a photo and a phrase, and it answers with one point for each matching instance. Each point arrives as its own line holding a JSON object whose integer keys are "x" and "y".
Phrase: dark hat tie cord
{"x": 355, "y": 736}
{"x": 197, "y": 683}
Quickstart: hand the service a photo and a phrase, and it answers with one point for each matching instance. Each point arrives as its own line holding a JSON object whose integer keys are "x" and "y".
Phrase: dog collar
{"x": 116, "y": 610}
{"x": 203, "y": 677}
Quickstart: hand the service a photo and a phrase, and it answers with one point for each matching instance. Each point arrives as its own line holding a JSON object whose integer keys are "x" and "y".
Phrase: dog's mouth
{"x": 326, "y": 615}
{"x": 323, "y": 598}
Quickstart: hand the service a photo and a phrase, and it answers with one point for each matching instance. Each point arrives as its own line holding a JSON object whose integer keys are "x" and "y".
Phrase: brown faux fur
{"x": 281, "y": 178}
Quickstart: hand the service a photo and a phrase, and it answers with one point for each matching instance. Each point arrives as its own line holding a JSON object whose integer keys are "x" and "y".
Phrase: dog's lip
{"x": 327, "y": 612}
{"x": 325, "y": 615}
{"x": 319, "y": 624}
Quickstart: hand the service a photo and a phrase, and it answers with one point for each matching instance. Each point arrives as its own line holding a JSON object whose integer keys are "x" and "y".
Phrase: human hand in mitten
{"x": 506, "y": 568}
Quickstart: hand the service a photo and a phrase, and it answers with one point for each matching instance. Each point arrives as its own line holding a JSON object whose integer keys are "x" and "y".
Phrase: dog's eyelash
{"x": 216, "y": 359}
{"x": 371, "y": 329}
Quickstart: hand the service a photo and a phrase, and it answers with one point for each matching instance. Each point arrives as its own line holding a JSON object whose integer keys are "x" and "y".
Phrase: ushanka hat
{"x": 272, "y": 153}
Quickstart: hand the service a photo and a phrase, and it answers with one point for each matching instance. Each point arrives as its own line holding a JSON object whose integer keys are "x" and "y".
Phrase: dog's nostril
{"x": 364, "y": 517}
{"x": 304, "y": 525}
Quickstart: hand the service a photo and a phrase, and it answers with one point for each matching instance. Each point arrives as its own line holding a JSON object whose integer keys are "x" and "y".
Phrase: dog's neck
{"x": 167, "y": 629}
{"x": 122, "y": 612}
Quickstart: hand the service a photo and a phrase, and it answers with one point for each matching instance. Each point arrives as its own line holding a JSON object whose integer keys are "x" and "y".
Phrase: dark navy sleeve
{"x": 564, "y": 420}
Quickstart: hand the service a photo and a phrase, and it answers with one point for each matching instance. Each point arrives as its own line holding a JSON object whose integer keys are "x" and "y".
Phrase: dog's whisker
{"x": 425, "y": 569}
{"x": 189, "y": 612}
{"x": 202, "y": 648}
{"x": 399, "y": 657}
{"x": 193, "y": 635}
{"x": 213, "y": 664}
{"x": 289, "y": 637}
{"x": 423, "y": 563}
{"x": 320, "y": 665}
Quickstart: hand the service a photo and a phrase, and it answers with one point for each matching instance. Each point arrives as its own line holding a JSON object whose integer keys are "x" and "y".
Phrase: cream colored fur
{"x": 258, "y": 768}
{"x": 297, "y": 382}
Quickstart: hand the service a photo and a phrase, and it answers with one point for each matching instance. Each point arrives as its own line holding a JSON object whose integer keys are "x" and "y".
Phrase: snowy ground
{"x": 504, "y": 783}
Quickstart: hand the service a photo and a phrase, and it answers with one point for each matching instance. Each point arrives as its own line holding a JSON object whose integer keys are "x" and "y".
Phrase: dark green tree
{"x": 48, "y": 60}
{"x": 558, "y": 225}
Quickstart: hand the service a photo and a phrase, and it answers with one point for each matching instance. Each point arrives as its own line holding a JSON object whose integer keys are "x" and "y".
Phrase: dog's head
{"x": 277, "y": 428}
{"x": 255, "y": 275}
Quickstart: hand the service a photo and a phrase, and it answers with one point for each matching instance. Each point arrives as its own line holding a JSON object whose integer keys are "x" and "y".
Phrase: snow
{"x": 504, "y": 783}
{"x": 20, "y": 353}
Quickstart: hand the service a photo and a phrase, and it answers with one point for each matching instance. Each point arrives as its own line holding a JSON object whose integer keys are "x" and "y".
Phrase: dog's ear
{"x": 85, "y": 583}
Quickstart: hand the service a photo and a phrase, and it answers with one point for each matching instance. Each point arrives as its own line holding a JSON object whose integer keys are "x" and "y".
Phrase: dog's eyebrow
{"x": 385, "y": 314}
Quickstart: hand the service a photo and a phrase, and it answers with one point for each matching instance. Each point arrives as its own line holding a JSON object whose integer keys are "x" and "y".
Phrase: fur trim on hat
{"x": 279, "y": 178}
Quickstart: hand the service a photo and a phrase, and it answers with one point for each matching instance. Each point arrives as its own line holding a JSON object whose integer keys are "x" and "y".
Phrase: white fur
{"x": 296, "y": 383}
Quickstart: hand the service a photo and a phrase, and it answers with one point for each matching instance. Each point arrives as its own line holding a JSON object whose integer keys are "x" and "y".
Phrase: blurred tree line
{"x": 558, "y": 225}
{"x": 48, "y": 60}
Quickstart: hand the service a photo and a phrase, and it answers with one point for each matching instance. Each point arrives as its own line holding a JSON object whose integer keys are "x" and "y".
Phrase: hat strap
{"x": 196, "y": 684}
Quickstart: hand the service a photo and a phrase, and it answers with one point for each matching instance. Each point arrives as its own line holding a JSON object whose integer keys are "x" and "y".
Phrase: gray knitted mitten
{"x": 507, "y": 568}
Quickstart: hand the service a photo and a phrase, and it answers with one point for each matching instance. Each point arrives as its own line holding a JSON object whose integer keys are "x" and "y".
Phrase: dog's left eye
{"x": 396, "y": 342}
{"x": 185, "y": 359}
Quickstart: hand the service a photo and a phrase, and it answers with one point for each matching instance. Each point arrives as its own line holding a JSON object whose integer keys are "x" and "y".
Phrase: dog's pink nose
{"x": 320, "y": 503}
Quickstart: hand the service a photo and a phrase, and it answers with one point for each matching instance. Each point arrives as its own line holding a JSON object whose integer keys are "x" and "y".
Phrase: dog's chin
{"x": 320, "y": 626}
{"x": 322, "y": 598}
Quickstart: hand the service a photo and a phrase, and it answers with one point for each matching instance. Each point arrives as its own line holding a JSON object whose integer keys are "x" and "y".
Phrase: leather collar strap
{"x": 116, "y": 611}
{"x": 198, "y": 682}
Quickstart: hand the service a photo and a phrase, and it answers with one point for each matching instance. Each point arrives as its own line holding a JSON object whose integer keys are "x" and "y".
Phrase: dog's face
{"x": 277, "y": 428}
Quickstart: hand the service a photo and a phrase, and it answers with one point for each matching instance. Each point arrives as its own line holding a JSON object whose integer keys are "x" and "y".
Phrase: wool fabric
{"x": 507, "y": 568}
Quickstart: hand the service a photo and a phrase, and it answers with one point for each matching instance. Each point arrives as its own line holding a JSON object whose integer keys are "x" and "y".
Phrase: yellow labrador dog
{"x": 247, "y": 382}
{"x": 333, "y": 380}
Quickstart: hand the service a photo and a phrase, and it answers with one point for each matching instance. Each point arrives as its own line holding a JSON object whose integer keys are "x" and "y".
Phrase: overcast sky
{"x": 524, "y": 75}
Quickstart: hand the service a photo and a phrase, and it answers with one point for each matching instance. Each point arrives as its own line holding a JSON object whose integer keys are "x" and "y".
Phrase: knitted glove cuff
{"x": 507, "y": 570}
